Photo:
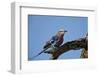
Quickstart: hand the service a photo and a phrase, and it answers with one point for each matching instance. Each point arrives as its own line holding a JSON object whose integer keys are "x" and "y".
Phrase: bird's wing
{"x": 49, "y": 42}
{"x": 46, "y": 45}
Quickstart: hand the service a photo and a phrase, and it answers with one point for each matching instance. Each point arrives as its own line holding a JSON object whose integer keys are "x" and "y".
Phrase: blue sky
{"x": 42, "y": 27}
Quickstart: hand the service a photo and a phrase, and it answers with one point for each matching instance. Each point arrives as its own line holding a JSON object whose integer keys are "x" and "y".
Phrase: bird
{"x": 54, "y": 43}
{"x": 56, "y": 40}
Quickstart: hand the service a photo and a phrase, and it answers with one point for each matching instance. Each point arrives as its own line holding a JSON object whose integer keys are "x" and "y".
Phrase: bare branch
{"x": 71, "y": 45}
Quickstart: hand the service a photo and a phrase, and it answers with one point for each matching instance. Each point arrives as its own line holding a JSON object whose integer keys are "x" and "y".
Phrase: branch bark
{"x": 81, "y": 43}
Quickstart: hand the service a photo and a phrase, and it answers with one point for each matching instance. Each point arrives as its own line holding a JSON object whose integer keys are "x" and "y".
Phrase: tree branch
{"x": 71, "y": 45}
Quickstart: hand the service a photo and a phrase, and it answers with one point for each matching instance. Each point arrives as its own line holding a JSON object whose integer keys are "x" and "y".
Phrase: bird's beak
{"x": 65, "y": 31}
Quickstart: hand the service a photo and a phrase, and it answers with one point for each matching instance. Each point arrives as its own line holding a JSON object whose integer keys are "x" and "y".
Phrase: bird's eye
{"x": 61, "y": 31}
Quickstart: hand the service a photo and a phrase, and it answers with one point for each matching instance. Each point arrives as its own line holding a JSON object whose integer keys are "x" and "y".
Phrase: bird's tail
{"x": 37, "y": 54}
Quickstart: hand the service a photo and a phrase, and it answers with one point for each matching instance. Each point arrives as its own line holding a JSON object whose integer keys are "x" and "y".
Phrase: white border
{"x": 19, "y": 38}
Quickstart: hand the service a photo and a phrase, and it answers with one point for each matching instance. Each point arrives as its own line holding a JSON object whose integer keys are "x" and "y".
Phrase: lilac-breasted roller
{"x": 54, "y": 43}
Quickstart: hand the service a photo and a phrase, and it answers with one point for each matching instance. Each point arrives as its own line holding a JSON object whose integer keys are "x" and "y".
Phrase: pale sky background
{"x": 41, "y": 28}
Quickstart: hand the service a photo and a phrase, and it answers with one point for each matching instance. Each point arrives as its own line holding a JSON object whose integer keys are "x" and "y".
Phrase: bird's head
{"x": 62, "y": 31}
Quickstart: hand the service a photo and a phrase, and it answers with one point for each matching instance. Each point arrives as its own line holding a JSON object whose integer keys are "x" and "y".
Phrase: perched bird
{"x": 56, "y": 40}
{"x": 54, "y": 43}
